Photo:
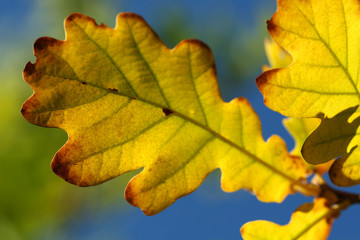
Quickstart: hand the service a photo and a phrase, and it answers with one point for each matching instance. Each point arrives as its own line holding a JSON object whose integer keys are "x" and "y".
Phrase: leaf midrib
{"x": 311, "y": 90}
{"x": 331, "y": 140}
{"x": 208, "y": 129}
{"x": 186, "y": 118}
{"x": 145, "y": 63}
{"x": 109, "y": 58}
{"x": 312, "y": 224}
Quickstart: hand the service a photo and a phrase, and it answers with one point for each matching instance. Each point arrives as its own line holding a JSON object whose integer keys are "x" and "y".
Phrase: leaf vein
{"x": 194, "y": 86}
{"x": 345, "y": 70}
{"x": 110, "y": 59}
{"x": 123, "y": 142}
{"x": 311, "y": 90}
{"x": 216, "y": 134}
{"x": 148, "y": 66}
{"x": 182, "y": 166}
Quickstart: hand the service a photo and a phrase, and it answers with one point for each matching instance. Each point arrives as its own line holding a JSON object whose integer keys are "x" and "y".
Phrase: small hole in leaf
{"x": 167, "y": 111}
{"x": 114, "y": 90}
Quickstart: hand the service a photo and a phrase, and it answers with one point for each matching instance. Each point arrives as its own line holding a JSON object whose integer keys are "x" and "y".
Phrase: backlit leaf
{"x": 310, "y": 221}
{"x": 328, "y": 142}
{"x": 346, "y": 169}
{"x": 129, "y": 102}
{"x": 322, "y": 82}
{"x": 276, "y": 55}
{"x": 337, "y": 136}
{"x": 299, "y": 128}
{"x": 324, "y": 42}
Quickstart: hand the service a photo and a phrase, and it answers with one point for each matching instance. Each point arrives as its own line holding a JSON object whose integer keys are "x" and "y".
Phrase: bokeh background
{"x": 36, "y": 204}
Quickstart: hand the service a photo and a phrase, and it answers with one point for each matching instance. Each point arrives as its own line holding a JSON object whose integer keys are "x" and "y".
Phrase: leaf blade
{"x": 298, "y": 128}
{"x": 325, "y": 35}
{"x": 323, "y": 84}
{"x": 129, "y": 102}
{"x": 309, "y": 221}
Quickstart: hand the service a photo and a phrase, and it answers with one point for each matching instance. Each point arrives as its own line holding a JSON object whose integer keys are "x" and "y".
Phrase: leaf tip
{"x": 78, "y": 16}
{"x": 60, "y": 168}
{"x": 261, "y": 81}
{"x": 149, "y": 212}
{"x": 271, "y": 26}
{"x": 24, "y": 112}
{"x": 44, "y": 43}
{"x": 134, "y": 18}
{"x": 129, "y": 15}
{"x": 73, "y": 16}
{"x": 28, "y": 70}
{"x": 242, "y": 230}
{"x": 196, "y": 43}
{"x": 129, "y": 194}
{"x": 243, "y": 102}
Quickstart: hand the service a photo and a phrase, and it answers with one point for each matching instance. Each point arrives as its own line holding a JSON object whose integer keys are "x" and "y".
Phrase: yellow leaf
{"x": 129, "y": 102}
{"x": 328, "y": 142}
{"x": 276, "y": 55}
{"x": 337, "y": 136}
{"x": 324, "y": 42}
{"x": 300, "y": 129}
{"x": 310, "y": 221}
{"x": 323, "y": 38}
{"x": 345, "y": 171}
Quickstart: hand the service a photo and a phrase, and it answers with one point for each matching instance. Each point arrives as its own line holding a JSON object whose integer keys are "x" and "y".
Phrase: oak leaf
{"x": 310, "y": 221}
{"x": 325, "y": 47}
{"x": 343, "y": 141}
{"x": 299, "y": 128}
{"x": 327, "y": 142}
{"x": 345, "y": 171}
{"x": 276, "y": 55}
{"x": 129, "y": 102}
{"x": 322, "y": 81}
